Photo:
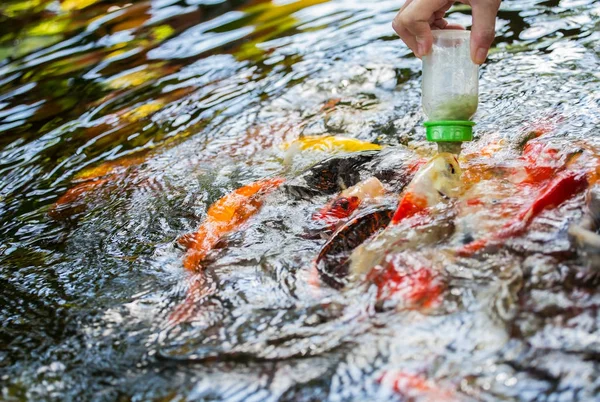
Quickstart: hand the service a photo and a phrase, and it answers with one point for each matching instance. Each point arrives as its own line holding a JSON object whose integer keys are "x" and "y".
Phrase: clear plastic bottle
{"x": 450, "y": 87}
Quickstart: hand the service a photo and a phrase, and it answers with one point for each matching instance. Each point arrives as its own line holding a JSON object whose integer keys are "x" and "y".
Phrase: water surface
{"x": 191, "y": 99}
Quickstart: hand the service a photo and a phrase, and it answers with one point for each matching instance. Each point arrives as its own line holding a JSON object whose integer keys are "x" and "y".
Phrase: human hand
{"x": 417, "y": 18}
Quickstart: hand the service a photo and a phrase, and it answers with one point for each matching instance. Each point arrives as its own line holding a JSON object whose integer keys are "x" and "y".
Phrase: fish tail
{"x": 198, "y": 290}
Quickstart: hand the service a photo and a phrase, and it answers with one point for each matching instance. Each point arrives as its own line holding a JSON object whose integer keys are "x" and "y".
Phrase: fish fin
{"x": 187, "y": 240}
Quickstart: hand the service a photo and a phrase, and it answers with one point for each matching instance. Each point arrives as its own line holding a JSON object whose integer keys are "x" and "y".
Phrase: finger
{"x": 455, "y": 26}
{"x": 415, "y": 19}
{"x": 402, "y": 31}
{"x": 408, "y": 38}
{"x": 440, "y": 23}
{"x": 442, "y": 12}
{"x": 483, "y": 30}
{"x": 406, "y": 4}
{"x": 444, "y": 24}
{"x": 417, "y": 16}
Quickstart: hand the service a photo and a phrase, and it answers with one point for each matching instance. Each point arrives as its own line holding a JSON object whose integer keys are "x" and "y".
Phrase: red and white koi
{"x": 344, "y": 205}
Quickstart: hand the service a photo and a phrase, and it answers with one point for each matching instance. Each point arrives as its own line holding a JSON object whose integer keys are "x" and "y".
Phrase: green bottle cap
{"x": 449, "y": 130}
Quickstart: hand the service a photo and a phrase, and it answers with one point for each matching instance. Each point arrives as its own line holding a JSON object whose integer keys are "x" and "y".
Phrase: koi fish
{"x": 409, "y": 279}
{"x": 74, "y": 200}
{"x": 542, "y": 161}
{"x": 332, "y": 264}
{"x": 110, "y": 167}
{"x": 429, "y": 227}
{"x": 423, "y": 215}
{"x": 198, "y": 293}
{"x": 336, "y": 211}
{"x": 225, "y": 216}
{"x": 328, "y": 144}
{"x": 584, "y": 234}
{"x": 348, "y": 201}
{"x": 436, "y": 182}
{"x": 559, "y": 190}
{"x": 558, "y": 180}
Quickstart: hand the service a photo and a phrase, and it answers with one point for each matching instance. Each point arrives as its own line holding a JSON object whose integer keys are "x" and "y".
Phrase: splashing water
{"x": 135, "y": 117}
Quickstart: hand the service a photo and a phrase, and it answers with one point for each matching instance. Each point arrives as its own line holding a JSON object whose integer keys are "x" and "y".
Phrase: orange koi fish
{"x": 225, "y": 216}
{"x": 339, "y": 209}
{"x": 563, "y": 187}
{"x": 552, "y": 176}
{"x": 199, "y": 291}
{"x": 541, "y": 161}
{"x": 422, "y": 216}
{"x": 73, "y": 201}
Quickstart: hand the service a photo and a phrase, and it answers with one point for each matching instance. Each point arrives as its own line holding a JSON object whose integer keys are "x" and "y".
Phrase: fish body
{"x": 549, "y": 194}
{"x": 74, "y": 201}
{"x": 416, "y": 387}
{"x": 425, "y": 228}
{"x": 408, "y": 280}
{"x": 423, "y": 216}
{"x": 327, "y": 144}
{"x": 339, "y": 209}
{"x": 92, "y": 180}
{"x": 542, "y": 161}
{"x": 332, "y": 263}
{"x": 225, "y": 216}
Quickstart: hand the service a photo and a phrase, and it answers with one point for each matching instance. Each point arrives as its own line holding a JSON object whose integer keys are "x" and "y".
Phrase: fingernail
{"x": 421, "y": 47}
{"x": 481, "y": 55}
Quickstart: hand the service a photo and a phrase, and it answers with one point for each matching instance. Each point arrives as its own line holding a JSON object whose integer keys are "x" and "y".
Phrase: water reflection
{"x": 159, "y": 108}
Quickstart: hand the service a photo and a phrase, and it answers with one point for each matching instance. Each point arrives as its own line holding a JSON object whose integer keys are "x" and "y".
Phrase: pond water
{"x": 176, "y": 103}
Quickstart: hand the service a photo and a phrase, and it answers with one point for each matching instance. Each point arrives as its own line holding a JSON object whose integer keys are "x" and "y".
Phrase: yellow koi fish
{"x": 327, "y": 144}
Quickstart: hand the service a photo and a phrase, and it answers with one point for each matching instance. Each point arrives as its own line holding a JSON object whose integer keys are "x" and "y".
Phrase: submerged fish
{"x": 430, "y": 227}
{"x": 408, "y": 280}
{"x": 328, "y": 144}
{"x": 550, "y": 186}
{"x": 585, "y": 233}
{"x": 337, "y": 210}
{"x": 416, "y": 387}
{"x": 225, "y": 216}
{"x": 332, "y": 263}
{"x": 90, "y": 180}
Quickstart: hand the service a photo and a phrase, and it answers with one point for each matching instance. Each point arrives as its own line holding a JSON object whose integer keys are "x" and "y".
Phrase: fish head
{"x": 365, "y": 190}
{"x": 444, "y": 175}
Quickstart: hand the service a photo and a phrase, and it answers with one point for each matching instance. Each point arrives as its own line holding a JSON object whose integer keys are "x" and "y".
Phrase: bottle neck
{"x": 450, "y": 147}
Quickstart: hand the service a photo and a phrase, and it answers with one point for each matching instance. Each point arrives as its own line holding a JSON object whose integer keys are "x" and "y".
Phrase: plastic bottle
{"x": 450, "y": 88}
